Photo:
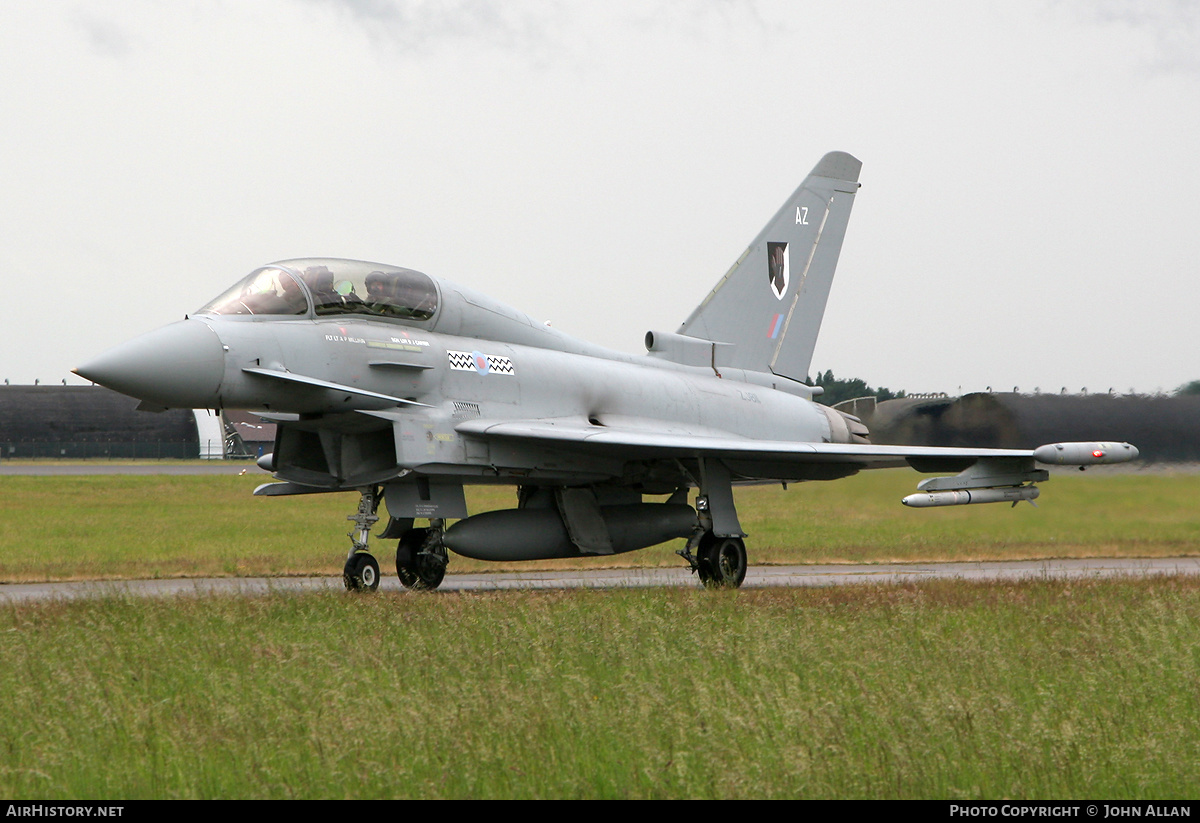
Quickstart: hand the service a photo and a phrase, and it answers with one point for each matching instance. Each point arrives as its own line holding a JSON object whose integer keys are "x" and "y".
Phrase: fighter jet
{"x": 405, "y": 388}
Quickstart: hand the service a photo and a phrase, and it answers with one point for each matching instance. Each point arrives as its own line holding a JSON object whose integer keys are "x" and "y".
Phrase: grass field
{"x": 947, "y": 690}
{"x": 1087, "y": 689}
{"x": 59, "y": 528}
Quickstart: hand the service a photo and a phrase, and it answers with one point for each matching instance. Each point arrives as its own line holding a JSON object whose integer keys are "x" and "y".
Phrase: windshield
{"x": 334, "y": 287}
{"x": 269, "y": 290}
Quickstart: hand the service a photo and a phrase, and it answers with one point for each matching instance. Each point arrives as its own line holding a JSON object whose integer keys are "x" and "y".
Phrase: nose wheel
{"x": 361, "y": 573}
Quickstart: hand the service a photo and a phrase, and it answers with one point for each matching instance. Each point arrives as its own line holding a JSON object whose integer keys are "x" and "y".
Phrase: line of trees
{"x": 837, "y": 390}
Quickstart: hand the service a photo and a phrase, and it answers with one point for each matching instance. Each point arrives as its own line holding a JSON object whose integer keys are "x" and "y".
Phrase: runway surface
{"x": 758, "y": 577}
{"x": 51, "y": 468}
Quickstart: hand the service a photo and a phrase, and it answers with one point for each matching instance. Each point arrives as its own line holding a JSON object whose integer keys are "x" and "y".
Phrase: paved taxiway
{"x": 758, "y": 577}
{"x": 52, "y": 468}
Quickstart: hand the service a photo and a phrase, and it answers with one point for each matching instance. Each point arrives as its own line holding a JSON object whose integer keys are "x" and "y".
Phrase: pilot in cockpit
{"x": 319, "y": 280}
{"x": 380, "y": 288}
{"x": 273, "y": 292}
{"x": 330, "y": 297}
{"x": 292, "y": 295}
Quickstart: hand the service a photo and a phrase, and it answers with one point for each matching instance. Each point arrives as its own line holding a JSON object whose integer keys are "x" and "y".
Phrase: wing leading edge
{"x": 661, "y": 440}
{"x": 984, "y": 475}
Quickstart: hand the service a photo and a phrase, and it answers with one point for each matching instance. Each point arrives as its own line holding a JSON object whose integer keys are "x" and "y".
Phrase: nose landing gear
{"x": 361, "y": 572}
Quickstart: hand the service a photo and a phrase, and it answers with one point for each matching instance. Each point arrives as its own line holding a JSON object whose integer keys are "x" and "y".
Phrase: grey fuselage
{"x": 473, "y": 359}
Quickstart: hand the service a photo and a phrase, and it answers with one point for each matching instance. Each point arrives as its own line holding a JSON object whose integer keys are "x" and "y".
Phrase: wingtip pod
{"x": 1085, "y": 454}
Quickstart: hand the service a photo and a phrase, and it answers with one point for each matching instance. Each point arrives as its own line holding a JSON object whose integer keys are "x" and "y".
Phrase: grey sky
{"x": 1030, "y": 179}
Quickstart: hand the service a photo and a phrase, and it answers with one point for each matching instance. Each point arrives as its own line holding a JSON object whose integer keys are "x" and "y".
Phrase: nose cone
{"x": 178, "y": 366}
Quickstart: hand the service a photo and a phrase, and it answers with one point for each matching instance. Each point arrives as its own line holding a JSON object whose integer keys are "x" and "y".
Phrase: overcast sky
{"x": 1031, "y": 179}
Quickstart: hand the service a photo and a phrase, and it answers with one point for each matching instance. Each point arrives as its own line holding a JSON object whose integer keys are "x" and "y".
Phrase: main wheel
{"x": 431, "y": 571}
{"x": 415, "y": 568}
{"x": 722, "y": 561}
{"x": 361, "y": 573}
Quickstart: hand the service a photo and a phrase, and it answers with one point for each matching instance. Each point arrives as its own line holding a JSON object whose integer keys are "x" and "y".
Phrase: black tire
{"x": 406, "y": 554}
{"x": 415, "y": 569}
{"x": 361, "y": 573}
{"x": 722, "y": 561}
{"x": 703, "y": 549}
{"x": 431, "y": 571}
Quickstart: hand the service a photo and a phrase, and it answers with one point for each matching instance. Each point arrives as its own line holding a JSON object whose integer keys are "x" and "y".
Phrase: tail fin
{"x": 770, "y": 303}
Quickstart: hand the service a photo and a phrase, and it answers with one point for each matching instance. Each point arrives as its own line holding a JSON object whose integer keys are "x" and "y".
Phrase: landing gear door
{"x": 428, "y": 497}
{"x": 422, "y": 439}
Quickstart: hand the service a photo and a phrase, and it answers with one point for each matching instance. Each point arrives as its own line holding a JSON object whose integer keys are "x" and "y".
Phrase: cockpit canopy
{"x": 330, "y": 287}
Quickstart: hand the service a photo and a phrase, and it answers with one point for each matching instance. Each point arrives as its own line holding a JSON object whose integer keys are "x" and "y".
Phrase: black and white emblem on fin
{"x": 778, "y": 270}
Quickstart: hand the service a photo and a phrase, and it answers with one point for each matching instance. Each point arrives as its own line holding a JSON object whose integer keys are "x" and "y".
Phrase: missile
{"x": 1008, "y": 494}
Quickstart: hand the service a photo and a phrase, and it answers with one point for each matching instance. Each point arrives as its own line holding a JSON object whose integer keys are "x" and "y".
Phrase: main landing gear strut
{"x": 720, "y": 562}
{"x": 420, "y": 557}
{"x": 716, "y": 551}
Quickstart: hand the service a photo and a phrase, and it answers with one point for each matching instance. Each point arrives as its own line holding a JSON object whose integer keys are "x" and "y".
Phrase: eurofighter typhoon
{"x": 405, "y": 388}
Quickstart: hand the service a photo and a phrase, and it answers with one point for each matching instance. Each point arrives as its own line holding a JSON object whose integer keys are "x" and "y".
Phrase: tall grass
{"x": 954, "y": 690}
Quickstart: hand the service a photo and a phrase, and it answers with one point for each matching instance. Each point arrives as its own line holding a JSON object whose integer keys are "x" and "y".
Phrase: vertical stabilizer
{"x": 770, "y": 303}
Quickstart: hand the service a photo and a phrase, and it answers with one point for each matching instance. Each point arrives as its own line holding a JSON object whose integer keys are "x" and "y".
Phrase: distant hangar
{"x": 94, "y": 422}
